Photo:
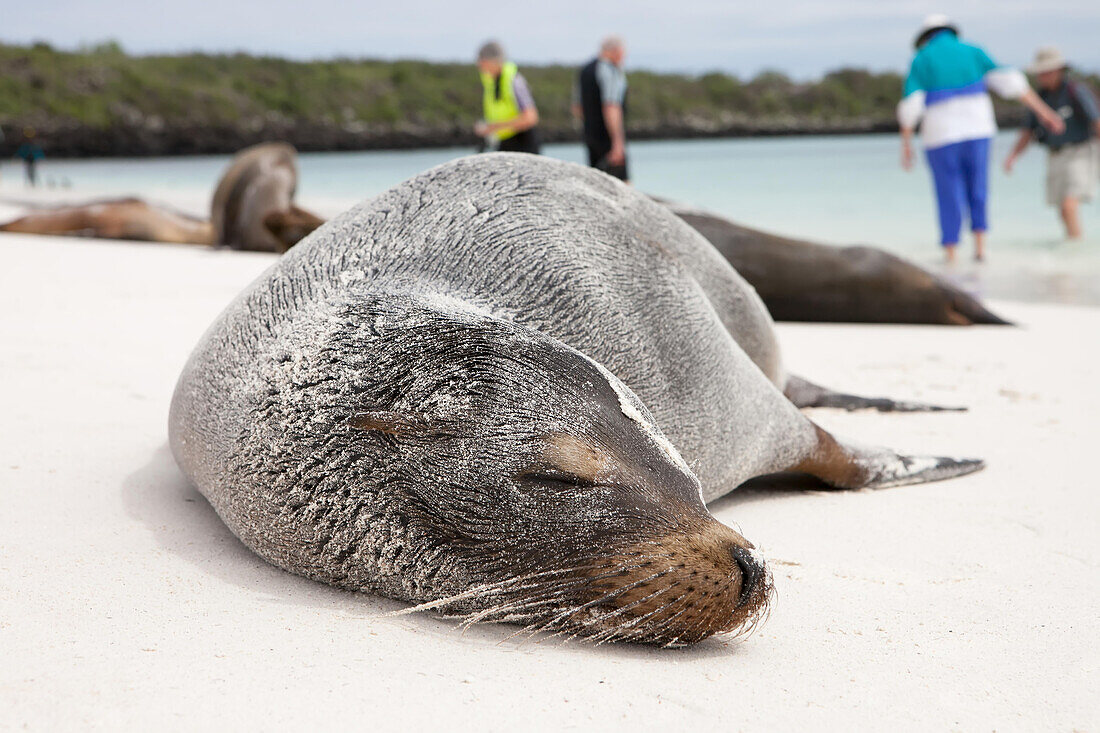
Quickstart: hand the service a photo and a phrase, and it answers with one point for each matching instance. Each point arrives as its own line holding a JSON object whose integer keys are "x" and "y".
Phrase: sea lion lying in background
{"x": 803, "y": 281}
{"x": 253, "y": 204}
{"x": 127, "y": 218}
{"x": 252, "y": 209}
{"x": 505, "y": 389}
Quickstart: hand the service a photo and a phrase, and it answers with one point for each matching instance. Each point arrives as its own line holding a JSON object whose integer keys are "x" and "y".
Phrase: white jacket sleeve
{"x": 1008, "y": 83}
{"x": 911, "y": 109}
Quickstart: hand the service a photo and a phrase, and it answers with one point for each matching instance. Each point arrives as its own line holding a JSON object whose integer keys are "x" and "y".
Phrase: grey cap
{"x": 490, "y": 51}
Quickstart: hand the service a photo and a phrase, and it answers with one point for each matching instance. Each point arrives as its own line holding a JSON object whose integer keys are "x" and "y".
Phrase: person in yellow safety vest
{"x": 511, "y": 118}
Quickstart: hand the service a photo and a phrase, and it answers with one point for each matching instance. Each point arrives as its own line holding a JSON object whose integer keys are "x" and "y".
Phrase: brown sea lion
{"x": 253, "y": 204}
{"x": 127, "y": 218}
{"x": 505, "y": 389}
{"x": 803, "y": 281}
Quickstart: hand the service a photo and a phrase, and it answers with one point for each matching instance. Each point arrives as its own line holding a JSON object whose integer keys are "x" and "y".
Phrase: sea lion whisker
{"x": 650, "y": 631}
{"x": 618, "y": 628}
{"x": 707, "y": 618}
{"x": 636, "y": 627}
{"x": 632, "y": 604}
{"x": 613, "y": 594}
{"x": 572, "y": 610}
{"x": 521, "y": 605}
{"x": 481, "y": 590}
{"x": 654, "y": 633}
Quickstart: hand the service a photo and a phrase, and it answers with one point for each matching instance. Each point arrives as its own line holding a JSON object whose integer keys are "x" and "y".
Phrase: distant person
{"x": 946, "y": 93}
{"x": 599, "y": 99}
{"x": 30, "y": 152}
{"x": 511, "y": 118}
{"x": 1072, "y": 159}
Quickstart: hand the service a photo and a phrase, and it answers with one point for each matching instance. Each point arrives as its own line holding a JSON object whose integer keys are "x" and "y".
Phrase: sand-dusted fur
{"x": 504, "y": 389}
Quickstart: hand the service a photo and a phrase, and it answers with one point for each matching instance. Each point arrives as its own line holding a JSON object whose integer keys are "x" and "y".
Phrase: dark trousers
{"x": 523, "y": 142}
{"x": 597, "y": 158}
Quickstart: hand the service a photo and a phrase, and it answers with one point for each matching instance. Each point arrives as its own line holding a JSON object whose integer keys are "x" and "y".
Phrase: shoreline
{"x": 67, "y": 142}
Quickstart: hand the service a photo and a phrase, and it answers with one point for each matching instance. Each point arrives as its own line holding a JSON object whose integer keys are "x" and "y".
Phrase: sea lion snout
{"x": 694, "y": 582}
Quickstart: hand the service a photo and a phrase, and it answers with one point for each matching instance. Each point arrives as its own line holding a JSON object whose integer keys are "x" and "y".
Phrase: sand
{"x": 970, "y": 604}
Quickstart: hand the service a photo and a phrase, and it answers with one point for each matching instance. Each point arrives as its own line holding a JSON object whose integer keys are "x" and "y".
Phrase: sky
{"x": 804, "y": 38}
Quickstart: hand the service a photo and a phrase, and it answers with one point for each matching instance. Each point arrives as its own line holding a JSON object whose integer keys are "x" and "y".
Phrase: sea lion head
{"x": 529, "y": 485}
{"x": 253, "y": 203}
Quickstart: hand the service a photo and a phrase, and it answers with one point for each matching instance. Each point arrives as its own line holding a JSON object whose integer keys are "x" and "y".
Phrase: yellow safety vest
{"x": 504, "y": 109}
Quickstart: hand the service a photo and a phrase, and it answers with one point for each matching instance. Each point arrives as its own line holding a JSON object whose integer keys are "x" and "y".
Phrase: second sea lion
{"x": 804, "y": 281}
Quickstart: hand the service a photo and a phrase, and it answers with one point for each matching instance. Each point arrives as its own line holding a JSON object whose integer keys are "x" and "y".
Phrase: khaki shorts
{"x": 1072, "y": 172}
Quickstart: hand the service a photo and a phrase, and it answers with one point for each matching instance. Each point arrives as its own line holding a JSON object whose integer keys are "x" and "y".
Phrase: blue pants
{"x": 960, "y": 172}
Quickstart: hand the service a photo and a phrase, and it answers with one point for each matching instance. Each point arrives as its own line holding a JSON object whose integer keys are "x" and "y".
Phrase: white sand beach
{"x": 970, "y": 604}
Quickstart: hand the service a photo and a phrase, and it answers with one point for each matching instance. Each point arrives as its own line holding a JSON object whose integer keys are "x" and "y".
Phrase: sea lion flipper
{"x": 290, "y": 226}
{"x": 850, "y": 466}
{"x": 804, "y": 393}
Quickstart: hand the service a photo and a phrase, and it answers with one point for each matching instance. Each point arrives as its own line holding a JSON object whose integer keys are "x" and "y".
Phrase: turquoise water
{"x": 833, "y": 189}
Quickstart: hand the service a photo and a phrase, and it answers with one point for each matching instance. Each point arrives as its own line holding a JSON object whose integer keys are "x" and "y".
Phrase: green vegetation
{"x": 102, "y": 101}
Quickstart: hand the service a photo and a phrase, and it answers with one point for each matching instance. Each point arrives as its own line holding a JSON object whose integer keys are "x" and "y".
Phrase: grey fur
{"x": 367, "y": 413}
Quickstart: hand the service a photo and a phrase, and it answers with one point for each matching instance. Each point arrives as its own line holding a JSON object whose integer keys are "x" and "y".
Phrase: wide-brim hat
{"x": 1047, "y": 58}
{"x": 931, "y": 24}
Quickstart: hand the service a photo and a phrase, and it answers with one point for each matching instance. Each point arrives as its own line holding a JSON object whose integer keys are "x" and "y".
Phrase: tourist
{"x": 599, "y": 99}
{"x": 511, "y": 119}
{"x": 1072, "y": 155}
{"x": 946, "y": 93}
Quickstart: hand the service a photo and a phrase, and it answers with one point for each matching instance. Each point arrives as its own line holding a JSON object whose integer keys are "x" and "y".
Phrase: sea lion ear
{"x": 399, "y": 424}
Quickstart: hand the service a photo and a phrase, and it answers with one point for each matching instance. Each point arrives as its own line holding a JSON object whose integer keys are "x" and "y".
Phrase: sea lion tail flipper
{"x": 851, "y": 466}
{"x": 965, "y": 309}
{"x": 804, "y": 393}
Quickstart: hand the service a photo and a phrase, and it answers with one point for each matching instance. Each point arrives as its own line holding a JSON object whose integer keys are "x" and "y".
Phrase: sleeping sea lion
{"x": 505, "y": 389}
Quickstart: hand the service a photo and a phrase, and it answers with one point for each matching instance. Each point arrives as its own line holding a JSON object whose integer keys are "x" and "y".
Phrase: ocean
{"x": 831, "y": 189}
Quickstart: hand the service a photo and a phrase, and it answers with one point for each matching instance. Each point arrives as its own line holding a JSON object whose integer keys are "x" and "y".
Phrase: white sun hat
{"x": 1047, "y": 58}
{"x": 931, "y": 24}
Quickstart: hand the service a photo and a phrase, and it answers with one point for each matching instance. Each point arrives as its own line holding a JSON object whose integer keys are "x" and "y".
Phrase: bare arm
{"x": 577, "y": 112}
{"x": 526, "y": 119}
{"x": 907, "y": 148}
{"x": 1022, "y": 142}
{"x": 613, "y": 119}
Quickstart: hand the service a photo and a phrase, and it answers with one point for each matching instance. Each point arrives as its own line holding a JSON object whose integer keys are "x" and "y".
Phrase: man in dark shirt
{"x": 1072, "y": 162}
{"x": 599, "y": 99}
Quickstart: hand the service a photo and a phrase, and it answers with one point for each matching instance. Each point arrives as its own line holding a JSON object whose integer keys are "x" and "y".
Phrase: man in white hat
{"x": 946, "y": 93}
{"x": 1072, "y": 155}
